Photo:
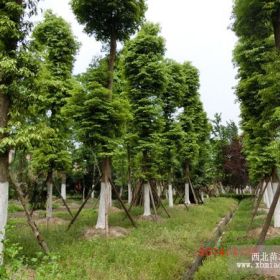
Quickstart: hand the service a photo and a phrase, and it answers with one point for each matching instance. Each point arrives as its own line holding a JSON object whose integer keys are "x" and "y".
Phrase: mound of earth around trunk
{"x": 272, "y": 232}
{"x": 113, "y": 232}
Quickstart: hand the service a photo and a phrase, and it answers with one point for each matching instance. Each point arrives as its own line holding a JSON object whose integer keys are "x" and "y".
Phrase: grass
{"x": 217, "y": 267}
{"x": 160, "y": 250}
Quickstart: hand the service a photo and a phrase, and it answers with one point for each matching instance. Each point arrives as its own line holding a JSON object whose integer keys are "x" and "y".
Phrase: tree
{"x": 145, "y": 75}
{"x": 13, "y": 71}
{"x": 54, "y": 44}
{"x": 172, "y": 133}
{"x": 257, "y": 23}
{"x": 109, "y": 21}
{"x": 194, "y": 124}
{"x": 99, "y": 122}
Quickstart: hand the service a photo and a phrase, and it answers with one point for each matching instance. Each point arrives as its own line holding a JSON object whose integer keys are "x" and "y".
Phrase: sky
{"x": 194, "y": 30}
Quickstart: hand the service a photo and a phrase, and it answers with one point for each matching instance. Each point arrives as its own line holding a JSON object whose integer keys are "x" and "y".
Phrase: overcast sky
{"x": 195, "y": 30}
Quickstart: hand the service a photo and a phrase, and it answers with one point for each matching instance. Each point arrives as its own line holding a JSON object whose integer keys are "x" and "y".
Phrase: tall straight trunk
{"x": 270, "y": 194}
{"x": 266, "y": 199}
{"x": 92, "y": 193}
{"x": 269, "y": 216}
{"x": 103, "y": 212}
{"x": 63, "y": 186}
{"x": 147, "y": 203}
{"x": 187, "y": 184}
{"x": 129, "y": 189}
{"x": 4, "y": 173}
{"x": 49, "y": 195}
{"x": 277, "y": 209}
{"x": 170, "y": 195}
{"x": 276, "y": 28}
{"x": 187, "y": 194}
{"x": 112, "y": 59}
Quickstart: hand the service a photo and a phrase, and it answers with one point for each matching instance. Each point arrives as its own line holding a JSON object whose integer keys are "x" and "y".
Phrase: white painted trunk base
{"x": 202, "y": 196}
{"x": 158, "y": 191}
{"x": 187, "y": 193}
{"x": 265, "y": 198}
{"x": 49, "y": 200}
{"x": 147, "y": 204}
{"x": 129, "y": 193}
{"x": 4, "y": 198}
{"x": 170, "y": 196}
{"x": 277, "y": 209}
{"x": 102, "y": 220}
{"x": 110, "y": 195}
{"x": 63, "y": 191}
{"x": 92, "y": 194}
{"x": 270, "y": 193}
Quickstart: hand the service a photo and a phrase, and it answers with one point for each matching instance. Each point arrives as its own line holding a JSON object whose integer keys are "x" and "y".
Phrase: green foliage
{"x": 194, "y": 122}
{"x": 53, "y": 44}
{"x": 257, "y": 60}
{"x": 106, "y": 19}
{"x": 99, "y": 117}
{"x": 145, "y": 74}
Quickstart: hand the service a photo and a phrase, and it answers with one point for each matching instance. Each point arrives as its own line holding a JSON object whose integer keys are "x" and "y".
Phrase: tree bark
{"x": 187, "y": 194}
{"x": 276, "y": 28}
{"x": 147, "y": 204}
{"x": 269, "y": 216}
{"x": 129, "y": 193}
{"x": 102, "y": 220}
{"x": 63, "y": 186}
{"x": 112, "y": 58}
{"x": 277, "y": 209}
{"x": 49, "y": 195}
{"x": 4, "y": 173}
{"x": 170, "y": 196}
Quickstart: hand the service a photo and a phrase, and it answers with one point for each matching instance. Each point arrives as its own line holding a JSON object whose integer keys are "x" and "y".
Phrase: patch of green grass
{"x": 14, "y": 206}
{"x": 235, "y": 235}
{"x": 161, "y": 250}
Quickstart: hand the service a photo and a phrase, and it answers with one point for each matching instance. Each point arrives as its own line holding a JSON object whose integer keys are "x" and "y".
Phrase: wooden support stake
{"x": 257, "y": 205}
{"x": 162, "y": 205}
{"x": 82, "y": 206}
{"x": 32, "y": 224}
{"x": 122, "y": 204}
{"x": 181, "y": 198}
{"x": 153, "y": 202}
{"x": 63, "y": 200}
{"x": 194, "y": 195}
{"x": 269, "y": 216}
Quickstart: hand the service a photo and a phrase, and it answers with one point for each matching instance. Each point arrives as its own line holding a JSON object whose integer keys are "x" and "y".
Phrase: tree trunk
{"x": 187, "y": 194}
{"x": 63, "y": 186}
{"x": 277, "y": 209}
{"x": 49, "y": 195}
{"x": 170, "y": 196}
{"x": 129, "y": 193}
{"x": 4, "y": 164}
{"x": 92, "y": 193}
{"x": 270, "y": 194}
{"x": 147, "y": 204}
{"x": 276, "y": 28}
{"x": 112, "y": 58}
{"x": 103, "y": 212}
{"x": 121, "y": 192}
{"x": 269, "y": 216}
